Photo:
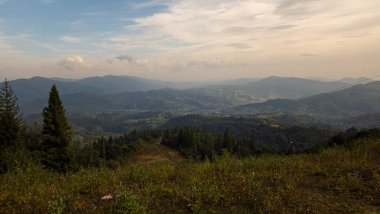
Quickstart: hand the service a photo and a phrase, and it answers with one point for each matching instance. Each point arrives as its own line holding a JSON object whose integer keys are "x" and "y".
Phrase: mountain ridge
{"x": 355, "y": 100}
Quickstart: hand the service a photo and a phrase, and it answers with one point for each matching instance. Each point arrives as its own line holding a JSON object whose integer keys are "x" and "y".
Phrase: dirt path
{"x": 156, "y": 153}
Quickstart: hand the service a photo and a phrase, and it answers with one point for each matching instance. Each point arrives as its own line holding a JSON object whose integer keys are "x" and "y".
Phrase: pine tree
{"x": 10, "y": 118}
{"x": 57, "y": 135}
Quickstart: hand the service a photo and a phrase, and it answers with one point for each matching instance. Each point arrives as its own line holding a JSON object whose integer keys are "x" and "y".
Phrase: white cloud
{"x": 71, "y": 39}
{"x": 231, "y": 22}
{"x": 73, "y": 63}
{"x": 251, "y": 32}
{"x": 75, "y": 59}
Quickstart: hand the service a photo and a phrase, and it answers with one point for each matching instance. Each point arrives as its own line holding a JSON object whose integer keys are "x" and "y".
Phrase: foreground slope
{"x": 338, "y": 180}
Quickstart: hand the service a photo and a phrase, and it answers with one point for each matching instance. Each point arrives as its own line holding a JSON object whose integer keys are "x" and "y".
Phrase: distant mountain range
{"x": 168, "y": 100}
{"x": 359, "y": 80}
{"x": 127, "y": 93}
{"x": 39, "y": 87}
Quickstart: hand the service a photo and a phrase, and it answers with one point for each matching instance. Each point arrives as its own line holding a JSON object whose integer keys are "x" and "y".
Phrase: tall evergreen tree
{"x": 10, "y": 117}
{"x": 57, "y": 135}
{"x": 10, "y": 125}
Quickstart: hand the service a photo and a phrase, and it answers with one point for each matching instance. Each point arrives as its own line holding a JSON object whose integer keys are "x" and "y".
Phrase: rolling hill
{"x": 38, "y": 88}
{"x": 356, "y": 100}
{"x": 289, "y": 87}
{"x": 271, "y": 88}
{"x": 117, "y": 84}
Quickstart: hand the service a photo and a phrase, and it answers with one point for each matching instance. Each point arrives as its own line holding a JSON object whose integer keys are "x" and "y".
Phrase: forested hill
{"x": 356, "y": 100}
{"x": 38, "y": 88}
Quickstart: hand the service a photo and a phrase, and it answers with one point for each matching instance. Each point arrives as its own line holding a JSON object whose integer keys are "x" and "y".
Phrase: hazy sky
{"x": 189, "y": 40}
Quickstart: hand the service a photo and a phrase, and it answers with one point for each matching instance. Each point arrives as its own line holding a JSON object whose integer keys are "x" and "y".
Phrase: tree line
{"x": 55, "y": 140}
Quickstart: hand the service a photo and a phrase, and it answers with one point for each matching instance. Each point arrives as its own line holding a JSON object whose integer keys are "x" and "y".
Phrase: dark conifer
{"x": 57, "y": 135}
{"x": 10, "y": 124}
{"x": 10, "y": 117}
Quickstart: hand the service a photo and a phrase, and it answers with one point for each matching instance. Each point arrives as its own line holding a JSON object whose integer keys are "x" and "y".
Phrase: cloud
{"x": 48, "y": 1}
{"x": 308, "y": 55}
{"x": 126, "y": 58}
{"x": 251, "y": 33}
{"x": 283, "y": 27}
{"x": 8, "y": 51}
{"x": 240, "y": 45}
{"x": 217, "y": 63}
{"x": 297, "y": 7}
{"x": 71, "y": 39}
{"x": 152, "y": 3}
{"x": 73, "y": 63}
{"x": 215, "y": 25}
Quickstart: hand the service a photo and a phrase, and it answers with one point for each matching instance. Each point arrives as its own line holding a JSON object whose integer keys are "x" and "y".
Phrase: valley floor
{"x": 338, "y": 180}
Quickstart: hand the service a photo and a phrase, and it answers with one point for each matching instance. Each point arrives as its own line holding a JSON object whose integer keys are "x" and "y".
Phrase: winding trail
{"x": 155, "y": 153}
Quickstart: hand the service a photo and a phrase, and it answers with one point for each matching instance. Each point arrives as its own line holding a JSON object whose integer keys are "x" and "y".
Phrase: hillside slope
{"x": 356, "y": 100}
{"x": 117, "y": 84}
{"x": 338, "y": 180}
{"x": 290, "y": 87}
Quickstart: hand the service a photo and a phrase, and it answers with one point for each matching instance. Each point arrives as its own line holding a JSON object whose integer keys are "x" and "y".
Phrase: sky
{"x": 189, "y": 40}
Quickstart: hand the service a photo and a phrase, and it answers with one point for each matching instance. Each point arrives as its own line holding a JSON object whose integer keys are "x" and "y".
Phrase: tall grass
{"x": 337, "y": 180}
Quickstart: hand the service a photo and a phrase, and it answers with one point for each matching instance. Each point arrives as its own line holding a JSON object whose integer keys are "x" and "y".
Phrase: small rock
{"x": 107, "y": 197}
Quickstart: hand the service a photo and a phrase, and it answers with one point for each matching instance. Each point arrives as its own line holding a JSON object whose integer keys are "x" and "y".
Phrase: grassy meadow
{"x": 336, "y": 180}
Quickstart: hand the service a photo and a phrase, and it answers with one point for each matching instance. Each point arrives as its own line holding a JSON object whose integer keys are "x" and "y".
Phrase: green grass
{"x": 338, "y": 180}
